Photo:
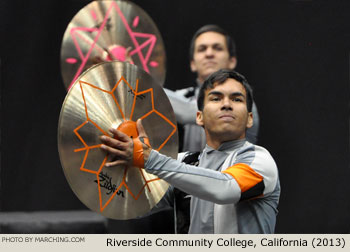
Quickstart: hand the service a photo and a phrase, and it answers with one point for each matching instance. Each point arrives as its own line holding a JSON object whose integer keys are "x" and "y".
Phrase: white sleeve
{"x": 200, "y": 182}
{"x": 249, "y": 173}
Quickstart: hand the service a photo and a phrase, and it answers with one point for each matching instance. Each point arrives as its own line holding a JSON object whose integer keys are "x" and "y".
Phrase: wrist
{"x": 142, "y": 150}
{"x": 146, "y": 152}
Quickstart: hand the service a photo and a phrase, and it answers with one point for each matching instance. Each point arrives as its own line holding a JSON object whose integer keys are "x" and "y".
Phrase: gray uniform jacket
{"x": 235, "y": 189}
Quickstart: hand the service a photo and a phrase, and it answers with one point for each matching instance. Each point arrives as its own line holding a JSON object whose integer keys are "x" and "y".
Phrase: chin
{"x": 210, "y": 71}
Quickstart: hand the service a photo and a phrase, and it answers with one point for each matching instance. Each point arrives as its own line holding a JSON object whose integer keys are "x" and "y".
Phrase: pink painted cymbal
{"x": 111, "y": 30}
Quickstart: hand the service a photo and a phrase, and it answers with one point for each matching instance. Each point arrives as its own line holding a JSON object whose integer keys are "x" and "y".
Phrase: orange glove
{"x": 130, "y": 129}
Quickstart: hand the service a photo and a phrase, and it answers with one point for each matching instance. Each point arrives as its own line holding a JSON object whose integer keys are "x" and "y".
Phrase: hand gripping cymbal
{"x": 114, "y": 95}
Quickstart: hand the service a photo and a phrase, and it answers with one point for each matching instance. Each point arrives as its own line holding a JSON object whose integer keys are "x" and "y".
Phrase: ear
{"x": 199, "y": 118}
{"x": 250, "y": 120}
{"x": 193, "y": 66}
{"x": 233, "y": 63}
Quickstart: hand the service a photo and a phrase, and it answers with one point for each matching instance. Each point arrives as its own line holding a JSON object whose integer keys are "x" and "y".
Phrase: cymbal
{"x": 104, "y": 31}
{"x": 105, "y": 96}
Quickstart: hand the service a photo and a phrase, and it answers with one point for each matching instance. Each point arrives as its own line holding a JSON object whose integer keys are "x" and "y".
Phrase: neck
{"x": 216, "y": 142}
{"x": 213, "y": 144}
{"x": 199, "y": 82}
{"x": 201, "y": 79}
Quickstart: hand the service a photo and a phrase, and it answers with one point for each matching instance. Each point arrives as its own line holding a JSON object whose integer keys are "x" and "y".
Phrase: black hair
{"x": 220, "y": 77}
{"x": 231, "y": 45}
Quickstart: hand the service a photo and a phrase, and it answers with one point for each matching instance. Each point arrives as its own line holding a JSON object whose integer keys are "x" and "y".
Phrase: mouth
{"x": 210, "y": 64}
{"x": 226, "y": 117}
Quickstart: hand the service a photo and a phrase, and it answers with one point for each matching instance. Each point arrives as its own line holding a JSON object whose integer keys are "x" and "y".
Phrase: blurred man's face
{"x": 211, "y": 54}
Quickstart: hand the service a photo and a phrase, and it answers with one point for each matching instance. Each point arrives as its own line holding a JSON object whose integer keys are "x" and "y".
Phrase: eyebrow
{"x": 220, "y": 93}
{"x": 206, "y": 45}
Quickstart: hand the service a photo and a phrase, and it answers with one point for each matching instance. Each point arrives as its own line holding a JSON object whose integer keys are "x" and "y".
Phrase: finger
{"x": 112, "y": 145}
{"x": 114, "y": 150}
{"x": 97, "y": 59}
{"x": 116, "y": 163}
{"x": 108, "y": 50}
{"x": 127, "y": 51}
{"x": 128, "y": 56}
{"x": 140, "y": 129}
{"x": 121, "y": 136}
{"x": 109, "y": 140}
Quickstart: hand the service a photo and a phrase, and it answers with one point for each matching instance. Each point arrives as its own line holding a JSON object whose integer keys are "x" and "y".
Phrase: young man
{"x": 235, "y": 188}
{"x": 211, "y": 49}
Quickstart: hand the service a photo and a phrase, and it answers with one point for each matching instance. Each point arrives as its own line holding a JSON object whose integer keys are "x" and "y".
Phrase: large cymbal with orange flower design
{"x": 108, "y": 95}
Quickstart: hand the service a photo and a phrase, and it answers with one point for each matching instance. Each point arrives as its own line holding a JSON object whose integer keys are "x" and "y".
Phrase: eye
{"x": 218, "y": 48}
{"x": 237, "y": 99}
{"x": 214, "y": 98}
{"x": 201, "y": 48}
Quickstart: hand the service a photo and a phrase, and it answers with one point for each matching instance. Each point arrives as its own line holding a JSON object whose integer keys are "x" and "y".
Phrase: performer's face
{"x": 211, "y": 54}
{"x": 225, "y": 116}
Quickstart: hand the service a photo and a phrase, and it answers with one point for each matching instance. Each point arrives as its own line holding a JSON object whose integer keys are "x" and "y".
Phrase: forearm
{"x": 200, "y": 182}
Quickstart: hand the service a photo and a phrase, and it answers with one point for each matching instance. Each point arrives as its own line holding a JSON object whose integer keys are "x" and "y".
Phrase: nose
{"x": 209, "y": 52}
{"x": 226, "y": 104}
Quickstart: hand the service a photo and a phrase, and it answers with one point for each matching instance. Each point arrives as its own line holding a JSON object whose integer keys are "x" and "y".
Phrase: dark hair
{"x": 220, "y": 77}
{"x": 231, "y": 45}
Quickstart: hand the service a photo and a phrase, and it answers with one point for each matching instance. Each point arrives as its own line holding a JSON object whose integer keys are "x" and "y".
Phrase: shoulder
{"x": 181, "y": 155}
{"x": 251, "y": 151}
{"x": 186, "y": 92}
{"x": 263, "y": 155}
{"x": 259, "y": 160}
{"x": 257, "y": 157}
